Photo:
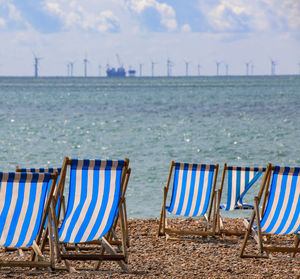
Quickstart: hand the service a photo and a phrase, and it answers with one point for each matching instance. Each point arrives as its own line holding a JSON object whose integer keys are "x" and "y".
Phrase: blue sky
{"x": 201, "y": 32}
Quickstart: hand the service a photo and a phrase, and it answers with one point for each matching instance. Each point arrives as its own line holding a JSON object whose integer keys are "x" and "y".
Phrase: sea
{"x": 238, "y": 120}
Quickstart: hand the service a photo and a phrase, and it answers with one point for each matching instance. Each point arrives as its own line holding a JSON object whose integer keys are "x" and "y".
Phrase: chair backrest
{"x": 40, "y": 170}
{"x": 94, "y": 195}
{"x": 282, "y": 211}
{"x": 192, "y": 189}
{"x": 22, "y": 201}
{"x": 44, "y": 170}
{"x": 239, "y": 181}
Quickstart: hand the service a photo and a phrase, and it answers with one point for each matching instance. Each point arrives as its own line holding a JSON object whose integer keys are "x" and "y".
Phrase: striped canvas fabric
{"x": 45, "y": 170}
{"x": 240, "y": 180}
{"x": 22, "y": 200}
{"x": 93, "y": 199}
{"x": 191, "y": 189}
{"x": 282, "y": 214}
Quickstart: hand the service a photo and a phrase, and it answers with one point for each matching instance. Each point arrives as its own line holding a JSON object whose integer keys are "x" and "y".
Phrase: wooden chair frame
{"x": 163, "y": 228}
{"x": 264, "y": 250}
{"x": 121, "y": 257}
{"x": 219, "y": 222}
{"x": 37, "y": 259}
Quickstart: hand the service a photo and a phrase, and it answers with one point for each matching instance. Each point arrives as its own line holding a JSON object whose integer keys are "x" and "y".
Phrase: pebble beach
{"x": 151, "y": 256}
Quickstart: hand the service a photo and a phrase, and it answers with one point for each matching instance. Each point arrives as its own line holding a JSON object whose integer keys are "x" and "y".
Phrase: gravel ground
{"x": 199, "y": 257}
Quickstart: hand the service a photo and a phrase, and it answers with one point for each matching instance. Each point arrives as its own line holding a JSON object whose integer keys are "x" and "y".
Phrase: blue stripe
{"x": 183, "y": 188}
{"x": 83, "y": 193}
{"x": 72, "y": 192}
{"x": 192, "y": 188}
{"x": 27, "y": 219}
{"x": 175, "y": 186}
{"x": 17, "y": 210}
{"x": 200, "y": 189}
{"x": 290, "y": 202}
{"x": 294, "y": 220}
{"x": 40, "y": 213}
{"x": 280, "y": 200}
{"x": 229, "y": 191}
{"x": 92, "y": 205}
{"x": 238, "y": 186}
{"x": 115, "y": 203}
{"x": 8, "y": 197}
{"x": 270, "y": 199}
{"x": 208, "y": 192}
{"x": 249, "y": 184}
{"x": 103, "y": 205}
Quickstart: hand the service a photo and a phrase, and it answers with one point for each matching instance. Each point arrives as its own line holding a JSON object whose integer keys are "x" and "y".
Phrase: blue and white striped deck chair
{"x": 280, "y": 213}
{"x": 24, "y": 207}
{"x": 61, "y": 201}
{"x": 239, "y": 181}
{"x": 94, "y": 201}
{"x": 192, "y": 195}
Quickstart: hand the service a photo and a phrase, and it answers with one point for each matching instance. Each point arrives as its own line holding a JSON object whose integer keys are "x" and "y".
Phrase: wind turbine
{"x": 187, "y": 67}
{"x": 169, "y": 66}
{"x": 226, "y": 69}
{"x": 141, "y": 69}
{"x": 252, "y": 69}
{"x": 218, "y": 63}
{"x": 198, "y": 67}
{"x": 273, "y": 65}
{"x": 152, "y": 67}
{"x": 70, "y": 68}
{"x": 248, "y": 63}
{"x": 36, "y": 65}
{"x": 99, "y": 70}
{"x": 85, "y": 62}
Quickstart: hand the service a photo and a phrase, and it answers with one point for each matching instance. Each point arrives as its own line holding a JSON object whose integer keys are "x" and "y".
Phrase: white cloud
{"x": 74, "y": 15}
{"x": 257, "y": 15}
{"x": 186, "y": 28}
{"x": 2, "y": 22}
{"x": 166, "y": 12}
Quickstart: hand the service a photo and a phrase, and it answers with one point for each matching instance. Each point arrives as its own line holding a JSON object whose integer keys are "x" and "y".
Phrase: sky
{"x": 197, "y": 33}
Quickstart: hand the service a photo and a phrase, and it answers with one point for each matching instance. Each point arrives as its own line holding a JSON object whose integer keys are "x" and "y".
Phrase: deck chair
{"x": 24, "y": 208}
{"x": 192, "y": 196}
{"x": 95, "y": 198}
{"x": 239, "y": 181}
{"x": 60, "y": 207}
{"x": 280, "y": 211}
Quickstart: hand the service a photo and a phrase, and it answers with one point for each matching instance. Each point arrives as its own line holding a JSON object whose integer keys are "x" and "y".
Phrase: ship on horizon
{"x": 113, "y": 72}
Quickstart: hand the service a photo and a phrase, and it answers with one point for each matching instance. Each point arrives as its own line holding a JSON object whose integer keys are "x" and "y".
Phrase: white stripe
{"x": 243, "y": 182}
{"x": 179, "y": 186}
{"x": 233, "y": 189}
{"x": 11, "y": 210}
{"x": 89, "y": 195}
{"x": 196, "y": 189}
{"x": 187, "y": 189}
{"x": 98, "y": 202}
{"x": 285, "y": 202}
{"x": 76, "y": 199}
{"x": 23, "y": 210}
{"x": 35, "y": 210}
{"x": 110, "y": 200}
{"x": 204, "y": 190}
{"x": 275, "y": 201}
{"x": 3, "y": 191}
{"x": 293, "y": 210}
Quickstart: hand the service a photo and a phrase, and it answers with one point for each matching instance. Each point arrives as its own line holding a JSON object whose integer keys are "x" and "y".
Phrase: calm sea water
{"x": 243, "y": 121}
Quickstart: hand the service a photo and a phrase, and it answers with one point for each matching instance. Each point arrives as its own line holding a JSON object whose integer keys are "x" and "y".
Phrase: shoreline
{"x": 151, "y": 256}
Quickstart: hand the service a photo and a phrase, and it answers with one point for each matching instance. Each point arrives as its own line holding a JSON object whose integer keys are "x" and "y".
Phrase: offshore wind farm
{"x": 190, "y": 67}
